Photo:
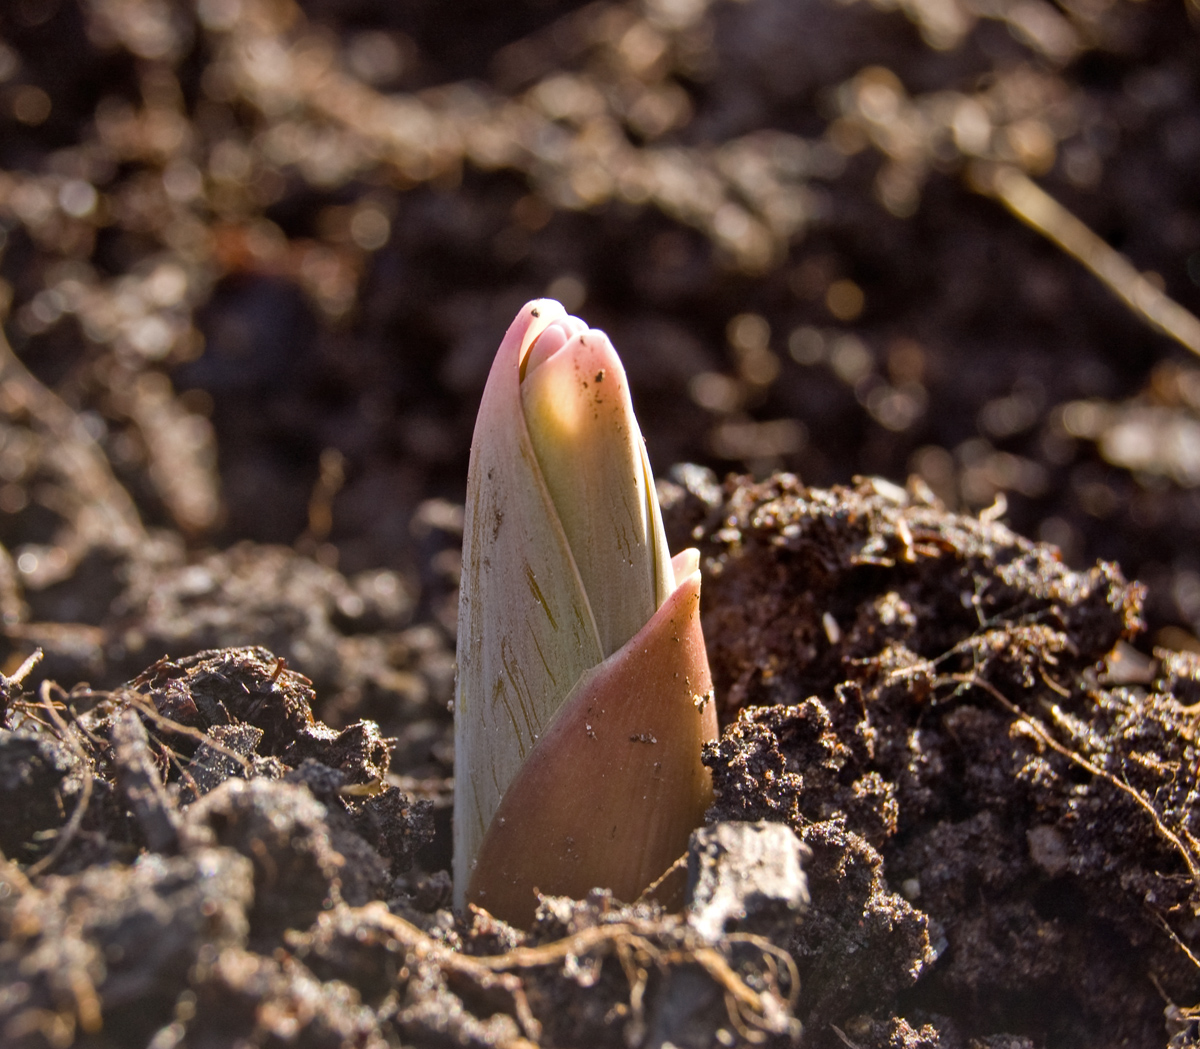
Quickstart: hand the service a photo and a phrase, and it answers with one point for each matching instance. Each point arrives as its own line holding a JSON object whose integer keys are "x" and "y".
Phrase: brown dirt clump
{"x": 999, "y": 793}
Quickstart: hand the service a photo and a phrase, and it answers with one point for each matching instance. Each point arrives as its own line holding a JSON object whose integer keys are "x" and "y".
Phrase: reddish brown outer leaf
{"x": 614, "y": 787}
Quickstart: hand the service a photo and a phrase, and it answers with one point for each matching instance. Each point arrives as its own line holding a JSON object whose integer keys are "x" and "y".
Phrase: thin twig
{"x": 423, "y": 946}
{"x": 1174, "y": 937}
{"x": 741, "y": 999}
{"x": 68, "y": 832}
{"x": 1042, "y": 733}
{"x": 140, "y": 702}
{"x": 1037, "y": 209}
{"x": 733, "y": 1009}
{"x": 24, "y": 670}
{"x": 77, "y": 457}
{"x": 772, "y": 951}
{"x": 842, "y": 1035}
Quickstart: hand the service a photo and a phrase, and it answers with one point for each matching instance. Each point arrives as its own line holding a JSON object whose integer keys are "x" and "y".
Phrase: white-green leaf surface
{"x": 581, "y": 422}
{"x": 525, "y": 630}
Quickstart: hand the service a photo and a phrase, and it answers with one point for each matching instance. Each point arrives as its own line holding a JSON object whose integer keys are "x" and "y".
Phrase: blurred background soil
{"x": 264, "y": 253}
{"x": 256, "y": 257}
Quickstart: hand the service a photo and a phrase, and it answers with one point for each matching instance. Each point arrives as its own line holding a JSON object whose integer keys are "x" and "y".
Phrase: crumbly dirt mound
{"x": 198, "y": 861}
{"x": 938, "y": 708}
{"x": 995, "y": 796}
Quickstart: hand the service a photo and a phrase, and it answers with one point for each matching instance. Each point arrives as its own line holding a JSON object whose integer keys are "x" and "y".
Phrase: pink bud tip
{"x": 556, "y": 335}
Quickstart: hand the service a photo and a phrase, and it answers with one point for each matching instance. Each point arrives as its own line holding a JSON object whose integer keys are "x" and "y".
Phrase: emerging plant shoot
{"x": 583, "y": 684}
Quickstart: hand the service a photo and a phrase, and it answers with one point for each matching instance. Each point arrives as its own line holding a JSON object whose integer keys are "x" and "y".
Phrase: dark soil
{"x": 255, "y": 258}
{"x": 999, "y": 816}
